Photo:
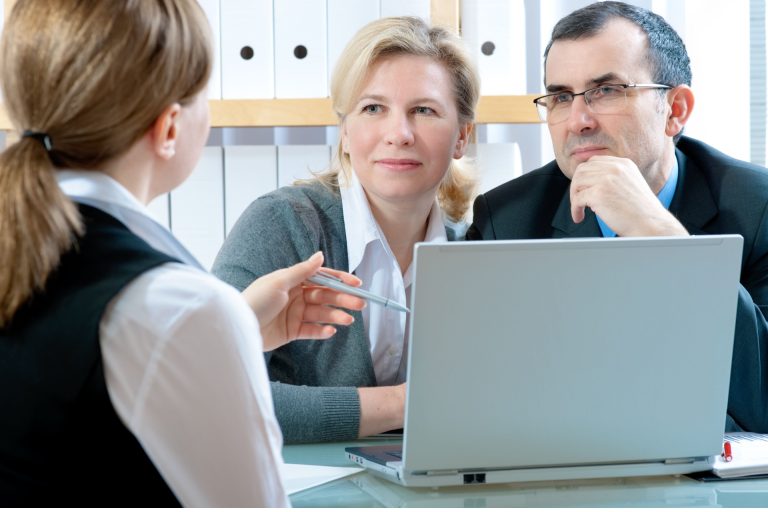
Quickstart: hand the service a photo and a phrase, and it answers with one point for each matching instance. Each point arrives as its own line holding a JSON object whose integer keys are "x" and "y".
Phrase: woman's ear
{"x": 164, "y": 132}
{"x": 465, "y": 132}
{"x": 681, "y": 105}
{"x": 344, "y": 138}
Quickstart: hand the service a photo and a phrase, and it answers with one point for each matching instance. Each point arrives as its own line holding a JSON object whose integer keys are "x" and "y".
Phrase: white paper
{"x": 750, "y": 456}
{"x": 299, "y": 477}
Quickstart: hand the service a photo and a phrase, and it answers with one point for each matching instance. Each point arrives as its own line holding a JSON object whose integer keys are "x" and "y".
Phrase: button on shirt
{"x": 371, "y": 259}
{"x": 184, "y": 368}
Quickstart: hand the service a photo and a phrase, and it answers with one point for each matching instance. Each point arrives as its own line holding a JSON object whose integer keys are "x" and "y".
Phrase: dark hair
{"x": 667, "y": 57}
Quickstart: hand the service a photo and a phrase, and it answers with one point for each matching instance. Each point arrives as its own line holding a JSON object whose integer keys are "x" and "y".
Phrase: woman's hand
{"x": 289, "y": 308}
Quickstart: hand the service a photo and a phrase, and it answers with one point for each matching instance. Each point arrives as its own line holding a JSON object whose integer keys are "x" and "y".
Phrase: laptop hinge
{"x": 441, "y": 472}
{"x": 682, "y": 460}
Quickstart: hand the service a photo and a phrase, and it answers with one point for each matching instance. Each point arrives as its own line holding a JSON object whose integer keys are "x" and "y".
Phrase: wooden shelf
{"x": 507, "y": 109}
{"x": 318, "y": 112}
{"x": 277, "y": 112}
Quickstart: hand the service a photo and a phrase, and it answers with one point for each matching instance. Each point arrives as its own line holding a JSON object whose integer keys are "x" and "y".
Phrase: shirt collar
{"x": 361, "y": 227}
{"x": 95, "y": 186}
{"x": 101, "y": 191}
{"x": 665, "y": 196}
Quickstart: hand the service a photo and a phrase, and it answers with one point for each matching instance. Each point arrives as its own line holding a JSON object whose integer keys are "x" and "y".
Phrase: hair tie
{"x": 43, "y": 138}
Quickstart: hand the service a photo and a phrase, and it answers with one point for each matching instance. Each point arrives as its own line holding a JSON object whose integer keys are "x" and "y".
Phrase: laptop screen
{"x": 569, "y": 352}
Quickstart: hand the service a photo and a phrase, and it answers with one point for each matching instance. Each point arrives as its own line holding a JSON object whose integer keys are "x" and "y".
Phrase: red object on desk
{"x": 727, "y": 455}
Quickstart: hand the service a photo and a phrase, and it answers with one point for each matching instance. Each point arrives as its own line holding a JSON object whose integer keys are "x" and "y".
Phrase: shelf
{"x": 507, "y": 109}
{"x": 317, "y": 112}
{"x": 277, "y": 112}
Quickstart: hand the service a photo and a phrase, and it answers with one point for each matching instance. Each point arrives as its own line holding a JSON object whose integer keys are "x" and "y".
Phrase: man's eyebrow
{"x": 552, "y": 88}
{"x": 609, "y": 77}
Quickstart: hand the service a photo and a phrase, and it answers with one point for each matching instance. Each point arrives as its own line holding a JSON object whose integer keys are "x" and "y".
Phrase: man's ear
{"x": 164, "y": 132}
{"x": 465, "y": 132}
{"x": 681, "y": 105}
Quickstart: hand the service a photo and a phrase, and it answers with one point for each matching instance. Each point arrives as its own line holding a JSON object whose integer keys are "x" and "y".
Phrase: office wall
{"x": 723, "y": 40}
{"x": 721, "y": 68}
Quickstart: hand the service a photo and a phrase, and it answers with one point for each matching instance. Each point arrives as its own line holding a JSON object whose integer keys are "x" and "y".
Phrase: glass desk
{"x": 365, "y": 490}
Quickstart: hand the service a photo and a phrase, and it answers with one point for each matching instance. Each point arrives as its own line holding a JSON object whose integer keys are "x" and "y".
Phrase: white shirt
{"x": 372, "y": 260}
{"x": 184, "y": 369}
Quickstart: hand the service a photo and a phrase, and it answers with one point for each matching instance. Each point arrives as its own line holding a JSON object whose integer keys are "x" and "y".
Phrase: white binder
{"x": 213, "y": 13}
{"x": 345, "y": 18}
{"x": 298, "y": 162}
{"x": 301, "y": 49}
{"x": 494, "y": 31}
{"x": 247, "y": 51}
{"x": 197, "y": 208}
{"x": 249, "y": 172}
{"x": 419, "y": 8}
{"x": 497, "y": 164}
{"x": 159, "y": 209}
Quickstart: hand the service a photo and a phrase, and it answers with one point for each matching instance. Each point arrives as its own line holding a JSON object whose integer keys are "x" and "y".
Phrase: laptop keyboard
{"x": 397, "y": 454}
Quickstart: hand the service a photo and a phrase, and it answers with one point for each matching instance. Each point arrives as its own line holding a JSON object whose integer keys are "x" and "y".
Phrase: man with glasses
{"x": 618, "y": 81}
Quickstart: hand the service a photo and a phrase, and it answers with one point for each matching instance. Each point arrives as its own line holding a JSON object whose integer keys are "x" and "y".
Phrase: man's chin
{"x": 566, "y": 168}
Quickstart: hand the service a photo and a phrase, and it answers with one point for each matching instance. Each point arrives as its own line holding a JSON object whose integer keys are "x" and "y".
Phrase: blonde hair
{"x": 93, "y": 77}
{"x": 407, "y": 35}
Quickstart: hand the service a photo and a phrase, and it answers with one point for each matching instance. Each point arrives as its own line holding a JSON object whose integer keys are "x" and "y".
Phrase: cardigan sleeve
{"x": 277, "y": 231}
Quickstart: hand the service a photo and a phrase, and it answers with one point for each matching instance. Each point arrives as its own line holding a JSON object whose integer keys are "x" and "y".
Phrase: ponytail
{"x": 80, "y": 102}
{"x": 38, "y": 224}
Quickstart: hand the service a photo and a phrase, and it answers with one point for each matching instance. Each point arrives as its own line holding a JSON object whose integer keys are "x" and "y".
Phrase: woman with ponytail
{"x": 128, "y": 375}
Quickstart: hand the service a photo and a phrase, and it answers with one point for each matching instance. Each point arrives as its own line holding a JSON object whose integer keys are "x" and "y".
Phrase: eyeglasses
{"x": 603, "y": 99}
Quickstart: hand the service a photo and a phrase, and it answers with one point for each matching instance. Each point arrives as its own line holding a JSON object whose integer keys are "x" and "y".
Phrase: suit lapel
{"x": 693, "y": 204}
{"x": 564, "y": 227}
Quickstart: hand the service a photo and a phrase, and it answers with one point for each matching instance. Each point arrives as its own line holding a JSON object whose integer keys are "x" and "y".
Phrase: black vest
{"x": 61, "y": 441}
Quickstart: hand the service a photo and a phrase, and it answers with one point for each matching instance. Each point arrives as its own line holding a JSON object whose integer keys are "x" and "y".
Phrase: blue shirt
{"x": 665, "y": 196}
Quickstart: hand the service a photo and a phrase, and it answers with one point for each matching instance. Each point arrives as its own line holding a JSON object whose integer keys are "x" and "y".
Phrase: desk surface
{"x": 365, "y": 490}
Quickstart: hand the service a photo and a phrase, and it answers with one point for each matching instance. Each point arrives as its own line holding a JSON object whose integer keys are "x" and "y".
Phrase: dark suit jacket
{"x": 715, "y": 194}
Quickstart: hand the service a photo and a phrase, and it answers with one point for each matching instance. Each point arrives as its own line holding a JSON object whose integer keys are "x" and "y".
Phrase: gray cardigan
{"x": 314, "y": 383}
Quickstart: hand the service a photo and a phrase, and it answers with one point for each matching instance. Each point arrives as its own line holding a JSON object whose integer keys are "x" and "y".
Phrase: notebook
{"x": 561, "y": 359}
{"x": 748, "y": 456}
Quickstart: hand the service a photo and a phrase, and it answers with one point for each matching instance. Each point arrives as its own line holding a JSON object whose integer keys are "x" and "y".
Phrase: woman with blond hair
{"x": 128, "y": 375}
{"x": 405, "y": 94}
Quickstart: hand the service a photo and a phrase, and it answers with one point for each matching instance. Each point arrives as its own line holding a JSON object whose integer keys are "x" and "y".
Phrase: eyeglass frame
{"x": 587, "y": 95}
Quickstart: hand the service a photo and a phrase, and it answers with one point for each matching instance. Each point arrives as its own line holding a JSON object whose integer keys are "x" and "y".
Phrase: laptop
{"x": 565, "y": 359}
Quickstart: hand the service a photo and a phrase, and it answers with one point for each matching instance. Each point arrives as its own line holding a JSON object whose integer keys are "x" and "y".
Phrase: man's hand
{"x": 289, "y": 308}
{"x": 615, "y": 189}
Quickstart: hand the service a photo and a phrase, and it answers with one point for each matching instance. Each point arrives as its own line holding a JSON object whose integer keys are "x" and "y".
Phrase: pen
{"x": 727, "y": 454}
{"x": 335, "y": 283}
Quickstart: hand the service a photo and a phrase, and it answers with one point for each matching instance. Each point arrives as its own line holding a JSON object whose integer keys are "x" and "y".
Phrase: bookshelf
{"x": 318, "y": 111}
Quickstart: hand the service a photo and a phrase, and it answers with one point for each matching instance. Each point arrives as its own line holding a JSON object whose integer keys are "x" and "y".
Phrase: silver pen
{"x": 333, "y": 282}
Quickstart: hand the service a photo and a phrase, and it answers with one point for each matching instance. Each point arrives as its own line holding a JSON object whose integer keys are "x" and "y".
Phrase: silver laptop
{"x": 562, "y": 359}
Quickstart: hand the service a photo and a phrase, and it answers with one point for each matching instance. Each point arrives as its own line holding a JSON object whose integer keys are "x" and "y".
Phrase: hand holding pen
{"x": 324, "y": 278}
{"x": 287, "y": 309}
